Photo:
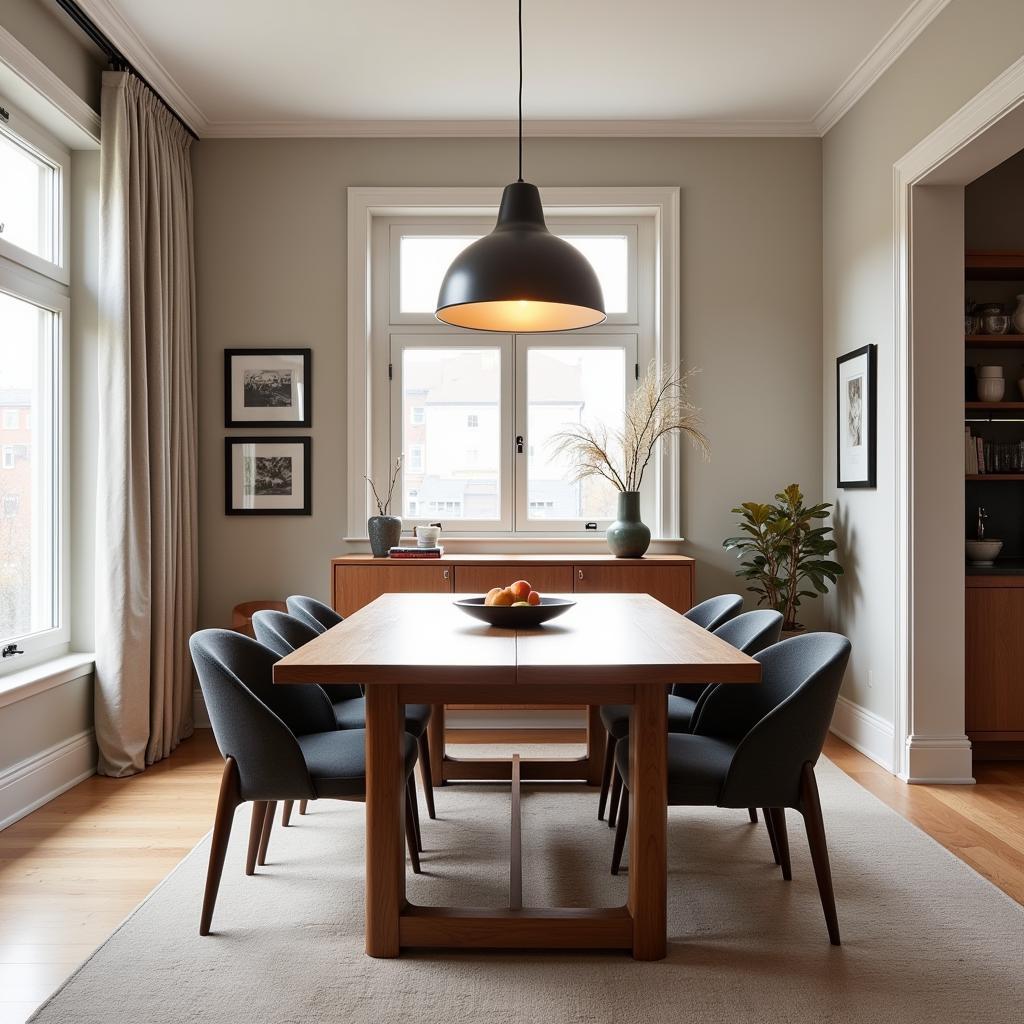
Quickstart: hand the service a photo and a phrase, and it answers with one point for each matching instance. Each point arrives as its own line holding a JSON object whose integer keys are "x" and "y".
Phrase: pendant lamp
{"x": 520, "y": 279}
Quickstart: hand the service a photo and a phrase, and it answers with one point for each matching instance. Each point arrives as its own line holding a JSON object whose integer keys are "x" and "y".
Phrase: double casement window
{"x": 33, "y": 323}
{"x": 475, "y": 416}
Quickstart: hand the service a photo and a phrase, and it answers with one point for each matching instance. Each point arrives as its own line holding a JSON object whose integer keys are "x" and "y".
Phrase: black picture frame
{"x": 303, "y": 444}
{"x": 235, "y": 413}
{"x": 857, "y": 469}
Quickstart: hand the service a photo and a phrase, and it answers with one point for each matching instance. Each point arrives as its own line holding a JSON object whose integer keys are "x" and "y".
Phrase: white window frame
{"x": 46, "y": 284}
{"x": 371, "y": 211}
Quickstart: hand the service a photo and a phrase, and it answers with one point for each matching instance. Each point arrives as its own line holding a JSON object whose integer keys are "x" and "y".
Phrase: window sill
{"x": 45, "y": 675}
{"x": 541, "y": 544}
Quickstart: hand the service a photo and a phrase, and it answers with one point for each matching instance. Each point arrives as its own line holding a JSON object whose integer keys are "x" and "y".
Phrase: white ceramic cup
{"x": 427, "y": 536}
{"x": 991, "y": 390}
{"x": 988, "y": 372}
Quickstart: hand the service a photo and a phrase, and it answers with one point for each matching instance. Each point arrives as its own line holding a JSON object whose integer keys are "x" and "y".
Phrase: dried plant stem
{"x": 383, "y": 506}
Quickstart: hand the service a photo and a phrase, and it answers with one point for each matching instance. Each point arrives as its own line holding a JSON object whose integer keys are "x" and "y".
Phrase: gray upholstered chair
{"x": 756, "y": 746}
{"x": 283, "y": 634}
{"x": 710, "y": 615}
{"x": 279, "y": 743}
{"x": 312, "y": 612}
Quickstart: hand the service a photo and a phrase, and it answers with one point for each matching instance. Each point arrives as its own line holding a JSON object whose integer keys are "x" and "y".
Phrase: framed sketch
{"x": 267, "y": 476}
{"x": 267, "y": 387}
{"x": 857, "y": 415}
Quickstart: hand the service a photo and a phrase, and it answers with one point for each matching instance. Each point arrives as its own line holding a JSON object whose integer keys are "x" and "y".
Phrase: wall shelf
{"x": 994, "y": 477}
{"x": 994, "y": 341}
{"x": 994, "y": 265}
{"x": 995, "y": 406}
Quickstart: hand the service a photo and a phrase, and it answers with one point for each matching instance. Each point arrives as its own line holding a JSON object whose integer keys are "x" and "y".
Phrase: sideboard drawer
{"x": 358, "y": 585}
{"x": 546, "y": 579}
{"x": 672, "y": 585}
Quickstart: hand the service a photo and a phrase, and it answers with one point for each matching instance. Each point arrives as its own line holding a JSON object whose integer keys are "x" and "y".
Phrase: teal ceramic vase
{"x": 627, "y": 536}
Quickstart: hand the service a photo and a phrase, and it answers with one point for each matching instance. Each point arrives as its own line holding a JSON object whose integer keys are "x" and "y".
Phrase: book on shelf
{"x": 990, "y": 458}
{"x": 970, "y": 453}
{"x": 416, "y": 552}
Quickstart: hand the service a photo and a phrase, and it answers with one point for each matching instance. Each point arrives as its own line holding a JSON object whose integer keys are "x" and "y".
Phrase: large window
{"x": 33, "y": 315}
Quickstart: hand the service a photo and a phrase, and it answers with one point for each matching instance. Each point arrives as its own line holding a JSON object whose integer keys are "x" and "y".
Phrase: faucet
{"x": 982, "y": 516}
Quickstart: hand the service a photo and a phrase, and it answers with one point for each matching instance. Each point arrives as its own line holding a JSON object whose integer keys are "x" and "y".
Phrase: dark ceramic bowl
{"x": 507, "y": 617}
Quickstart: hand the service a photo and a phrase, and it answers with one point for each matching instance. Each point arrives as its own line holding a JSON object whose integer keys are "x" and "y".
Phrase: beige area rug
{"x": 925, "y": 939}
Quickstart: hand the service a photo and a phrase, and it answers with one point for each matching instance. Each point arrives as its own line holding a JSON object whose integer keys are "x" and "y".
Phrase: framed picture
{"x": 267, "y": 476}
{"x": 267, "y": 387}
{"x": 856, "y": 412}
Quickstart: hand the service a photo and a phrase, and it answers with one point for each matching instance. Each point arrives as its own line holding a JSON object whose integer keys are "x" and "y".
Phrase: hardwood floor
{"x": 73, "y": 870}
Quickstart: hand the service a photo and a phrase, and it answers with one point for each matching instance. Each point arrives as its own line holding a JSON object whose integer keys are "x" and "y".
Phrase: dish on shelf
{"x": 983, "y": 552}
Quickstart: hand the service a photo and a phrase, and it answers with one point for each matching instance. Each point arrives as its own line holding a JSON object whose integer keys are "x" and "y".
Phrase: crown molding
{"x": 501, "y": 129}
{"x": 110, "y": 21}
{"x": 885, "y": 53}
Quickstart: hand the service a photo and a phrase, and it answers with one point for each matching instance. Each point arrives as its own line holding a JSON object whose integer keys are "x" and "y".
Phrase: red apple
{"x": 533, "y": 597}
{"x": 521, "y": 589}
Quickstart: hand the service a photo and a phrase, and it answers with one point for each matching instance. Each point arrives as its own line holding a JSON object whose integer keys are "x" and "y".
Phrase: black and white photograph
{"x": 267, "y": 476}
{"x": 267, "y": 387}
{"x": 856, "y": 391}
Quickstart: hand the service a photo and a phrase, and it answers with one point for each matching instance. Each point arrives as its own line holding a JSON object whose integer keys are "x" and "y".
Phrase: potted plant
{"x": 384, "y": 529}
{"x": 657, "y": 408}
{"x": 785, "y": 548}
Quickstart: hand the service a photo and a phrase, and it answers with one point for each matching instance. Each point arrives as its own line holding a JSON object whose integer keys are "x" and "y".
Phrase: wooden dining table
{"x": 607, "y": 649}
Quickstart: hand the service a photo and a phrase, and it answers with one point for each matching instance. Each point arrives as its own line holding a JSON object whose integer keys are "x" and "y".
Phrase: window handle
{"x": 11, "y": 650}
{"x": 519, "y": 444}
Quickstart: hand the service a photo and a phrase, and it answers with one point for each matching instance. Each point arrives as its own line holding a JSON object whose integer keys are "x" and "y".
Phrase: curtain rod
{"x": 117, "y": 59}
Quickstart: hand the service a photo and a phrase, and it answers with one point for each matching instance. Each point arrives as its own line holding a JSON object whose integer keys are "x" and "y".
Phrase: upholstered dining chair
{"x": 283, "y": 634}
{"x": 279, "y": 743}
{"x": 312, "y": 612}
{"x": 756, "y": 746}
{"x": 709, "y": 614}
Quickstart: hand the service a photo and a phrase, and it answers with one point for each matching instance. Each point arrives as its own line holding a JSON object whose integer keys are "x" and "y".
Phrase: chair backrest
{"x": 715, "y": 611}
{"x": 283, "y": 633}
{"x": 750, "y": 633}
{"x": 235, "y": 674}
{"x": 781, "y": 724}
{"x": 312, "y": 612}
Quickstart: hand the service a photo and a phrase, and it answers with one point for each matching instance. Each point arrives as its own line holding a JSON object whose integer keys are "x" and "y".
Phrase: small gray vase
{"x": 385, "y": 533}
{"x": 627, "y": 536}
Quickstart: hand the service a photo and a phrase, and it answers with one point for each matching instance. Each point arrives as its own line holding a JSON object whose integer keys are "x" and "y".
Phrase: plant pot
{"x": 628, "y": 537}
{"x": 798, "y": 630}
{"x": 385, "y": 532}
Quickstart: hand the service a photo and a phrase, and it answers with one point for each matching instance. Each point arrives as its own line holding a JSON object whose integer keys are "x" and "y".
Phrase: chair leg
{"x": 815, "y": 827}
{"x": 268, "y": 824}
{"x": 426, "y": 776}
{"x": 410, "y": 793}
{"x": 302, "y": 807}
{"x": 771, "y": 834}
{"x": 410, "y": 834}
{"x": 286, "y": 813}
{"x": 230, "y": 797}
{"x": 781, "y": 840}
{"x": 752, "y": 811}
{"x": 613, "y": 808}
{"x": 621, "y": 830}
{"x": 606, "y": 774}
{"x": 259, "y": 812}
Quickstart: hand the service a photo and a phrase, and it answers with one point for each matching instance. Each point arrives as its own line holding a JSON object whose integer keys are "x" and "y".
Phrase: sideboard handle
{"x": 445, "y": 575}
{"x": 581, "y": 573}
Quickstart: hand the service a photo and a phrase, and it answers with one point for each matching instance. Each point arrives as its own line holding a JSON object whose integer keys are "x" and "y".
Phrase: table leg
{"x": 385, "y": 820}
{"x": 595, "y": 745}
{"x": 648, "y": 821}
{"x": 435, "y": 730}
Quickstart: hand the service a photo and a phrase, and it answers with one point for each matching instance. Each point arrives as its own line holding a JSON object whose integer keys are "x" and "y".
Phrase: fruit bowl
{"x": 518, "y": 617}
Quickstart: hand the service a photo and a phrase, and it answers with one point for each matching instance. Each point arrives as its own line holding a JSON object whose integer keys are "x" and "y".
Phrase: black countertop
{"x": 1002, "y": 567}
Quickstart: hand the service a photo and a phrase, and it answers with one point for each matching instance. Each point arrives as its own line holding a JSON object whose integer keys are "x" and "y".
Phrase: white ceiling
{"x": 267, "y": 67}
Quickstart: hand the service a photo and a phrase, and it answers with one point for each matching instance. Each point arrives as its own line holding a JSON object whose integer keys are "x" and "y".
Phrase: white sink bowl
{"x": 983, "y": 552}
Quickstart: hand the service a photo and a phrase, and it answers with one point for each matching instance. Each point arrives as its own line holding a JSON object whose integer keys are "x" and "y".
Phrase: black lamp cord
{"x": 520, "y": 90}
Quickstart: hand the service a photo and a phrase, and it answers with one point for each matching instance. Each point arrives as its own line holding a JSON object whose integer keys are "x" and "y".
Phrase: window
{"x": 33, "y": 314}
{"x": 476, "y": 416}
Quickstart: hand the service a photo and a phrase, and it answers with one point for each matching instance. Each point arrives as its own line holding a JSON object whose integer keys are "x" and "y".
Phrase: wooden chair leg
{"x": 426, "y": 776}
{"x": 410, "y": 793}
{"x": 302, "y": 807}
{"x": 771, "y": 834}
{"x": 259, "y": 812}
{"x": 781, "y": 840}
{"x": 410, "y": 834}
{"x": 606, "y": 774}
{"x": 268, "y": 824}
{"x": 752, "y": 811}
{"x": 815, "y": 826}
{"x": 230, "y": 797}
{"x": 621, "y": 830}
{"x": 613, "y": 808}
{"x": 286, "y": 813}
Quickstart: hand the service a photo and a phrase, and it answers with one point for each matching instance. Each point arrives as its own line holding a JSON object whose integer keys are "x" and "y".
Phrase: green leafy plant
{"x": 785, "y": 548}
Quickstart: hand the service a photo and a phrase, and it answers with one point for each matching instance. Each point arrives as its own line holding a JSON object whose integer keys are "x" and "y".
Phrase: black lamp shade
{"x": 521, "y": 279}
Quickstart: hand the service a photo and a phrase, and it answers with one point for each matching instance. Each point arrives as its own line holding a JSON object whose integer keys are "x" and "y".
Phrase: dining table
{"x": 606, "y": 649}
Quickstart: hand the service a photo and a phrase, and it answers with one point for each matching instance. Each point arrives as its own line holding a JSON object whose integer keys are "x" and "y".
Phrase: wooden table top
{"x": 606, "y": 638}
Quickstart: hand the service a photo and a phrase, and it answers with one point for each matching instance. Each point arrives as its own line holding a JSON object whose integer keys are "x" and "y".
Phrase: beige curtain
{"x": 146, "y": 517}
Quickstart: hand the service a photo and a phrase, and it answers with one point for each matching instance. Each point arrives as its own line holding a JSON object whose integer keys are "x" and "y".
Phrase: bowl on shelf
{"x": 983, "y": 552}
{"x": 991, "y": 389}
{"x": 996, "y": 323}
{"x": 522, "y": 617}
{"x": 989, "y": 372}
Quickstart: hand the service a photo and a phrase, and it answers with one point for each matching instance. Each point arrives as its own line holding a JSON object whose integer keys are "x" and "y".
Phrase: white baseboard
{"x": 940, "y": 760}
{"x": 865, "y": 731}
{"x": 38, "y": 779}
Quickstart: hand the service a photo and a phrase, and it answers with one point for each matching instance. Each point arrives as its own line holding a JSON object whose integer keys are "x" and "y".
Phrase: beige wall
{"x": 994, "y": 212}
{"x": 270, "y": 255}
{"x": 946, "y": 66}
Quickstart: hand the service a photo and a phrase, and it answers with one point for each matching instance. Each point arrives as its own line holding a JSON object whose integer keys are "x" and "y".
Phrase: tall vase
{"x": 627, "y": 536}
{"x": 385, "y": 532}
